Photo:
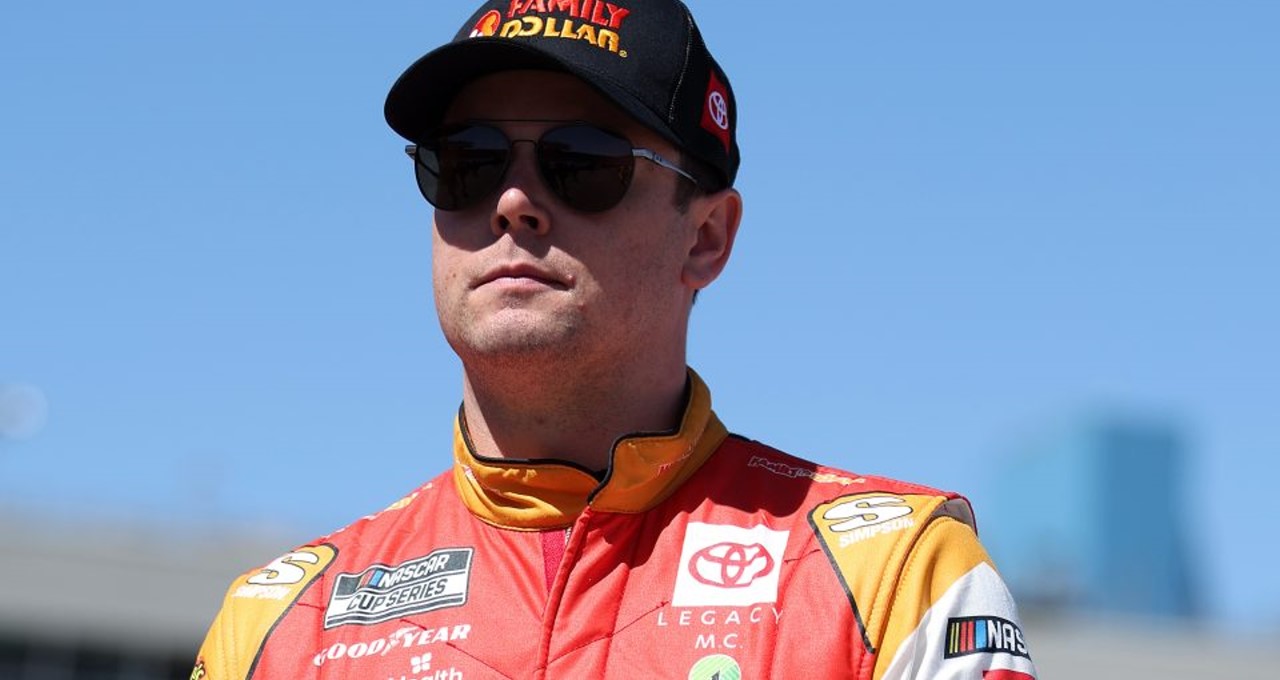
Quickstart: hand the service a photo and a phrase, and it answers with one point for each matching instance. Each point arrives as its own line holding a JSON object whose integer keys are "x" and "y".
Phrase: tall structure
{"x": 1092, "y": 520}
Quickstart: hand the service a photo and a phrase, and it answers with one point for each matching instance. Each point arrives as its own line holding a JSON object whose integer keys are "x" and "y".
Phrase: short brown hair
{"x": 708, "y": 181}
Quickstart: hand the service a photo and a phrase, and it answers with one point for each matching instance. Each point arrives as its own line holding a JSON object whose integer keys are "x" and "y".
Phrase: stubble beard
{"x": 515, "y": 338}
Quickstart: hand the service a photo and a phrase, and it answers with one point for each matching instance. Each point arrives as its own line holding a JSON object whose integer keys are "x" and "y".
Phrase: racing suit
{"x": 699, "y": 555}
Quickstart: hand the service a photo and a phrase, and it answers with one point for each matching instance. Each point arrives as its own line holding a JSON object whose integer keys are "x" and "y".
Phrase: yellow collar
{"x": 645, "y": 470}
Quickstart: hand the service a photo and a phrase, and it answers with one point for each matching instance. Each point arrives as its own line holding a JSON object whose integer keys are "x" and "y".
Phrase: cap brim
{"x": 419, "y": 99}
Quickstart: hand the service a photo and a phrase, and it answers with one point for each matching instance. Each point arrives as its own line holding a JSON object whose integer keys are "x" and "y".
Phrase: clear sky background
{"x": 965, "y": 222}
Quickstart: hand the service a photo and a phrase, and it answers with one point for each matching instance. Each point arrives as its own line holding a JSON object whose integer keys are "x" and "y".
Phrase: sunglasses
{"x": 586, "y": 167}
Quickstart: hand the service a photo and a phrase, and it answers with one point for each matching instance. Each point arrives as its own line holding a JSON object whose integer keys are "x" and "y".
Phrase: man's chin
{"x": 524, "y": 343}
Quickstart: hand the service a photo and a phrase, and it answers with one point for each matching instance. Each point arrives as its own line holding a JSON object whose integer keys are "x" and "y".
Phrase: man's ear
{"x": 716, "y": 218}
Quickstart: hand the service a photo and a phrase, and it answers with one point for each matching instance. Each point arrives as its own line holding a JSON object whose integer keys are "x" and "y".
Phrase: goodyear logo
{"x": 593, "y": 21}
{"x": 984, "y": 635}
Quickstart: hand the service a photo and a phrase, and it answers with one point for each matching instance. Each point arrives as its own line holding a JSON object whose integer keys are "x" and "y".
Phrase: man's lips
{"x": 518, "y": 274}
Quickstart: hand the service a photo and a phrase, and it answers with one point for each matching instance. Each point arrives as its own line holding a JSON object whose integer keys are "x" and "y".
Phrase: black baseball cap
{"x": 646, "y": 56}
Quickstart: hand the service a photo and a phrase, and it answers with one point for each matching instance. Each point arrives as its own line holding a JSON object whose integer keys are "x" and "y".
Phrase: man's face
{"x": 523, "y": 277}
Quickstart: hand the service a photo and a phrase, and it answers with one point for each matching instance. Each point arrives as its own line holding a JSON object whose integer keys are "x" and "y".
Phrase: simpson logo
{"x": 722, "y": 565}
{"x": 984, "y": 635}
{"x": 284, "y": 570}
{"x": 286, "y": 576}
{"x": 716, "y": 114}
{"x": 863, "y": 517}
{"x": 594, "y": 21}
{"x": 381, "y": 593}
{"x": 257, "y": 592}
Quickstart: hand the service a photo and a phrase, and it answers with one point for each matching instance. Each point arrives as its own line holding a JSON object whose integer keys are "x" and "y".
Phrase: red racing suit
{"x": 699, "y": 555}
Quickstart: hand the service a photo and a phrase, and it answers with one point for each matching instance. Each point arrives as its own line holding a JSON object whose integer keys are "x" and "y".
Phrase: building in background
{"x": 1092, "y": 519}
{"x": 109, "y": 601}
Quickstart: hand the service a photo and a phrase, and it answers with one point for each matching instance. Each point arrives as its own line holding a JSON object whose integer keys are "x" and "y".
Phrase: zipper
{"x": 557, "y": 549}
{"x": 554, "y": 543}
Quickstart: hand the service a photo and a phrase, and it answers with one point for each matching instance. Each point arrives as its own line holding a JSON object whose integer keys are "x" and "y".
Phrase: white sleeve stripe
{"x": 938, "y": 648}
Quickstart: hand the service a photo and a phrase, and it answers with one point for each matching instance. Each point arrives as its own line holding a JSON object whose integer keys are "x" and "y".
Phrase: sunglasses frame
{"x": 411, "y": 150}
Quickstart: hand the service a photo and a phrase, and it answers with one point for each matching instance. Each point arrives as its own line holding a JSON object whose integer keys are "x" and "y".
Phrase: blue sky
{"x": 965, "y": 223}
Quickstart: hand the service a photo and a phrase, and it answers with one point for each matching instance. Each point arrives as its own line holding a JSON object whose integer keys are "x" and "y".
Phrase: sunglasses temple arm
{"x": 654, "y": 158}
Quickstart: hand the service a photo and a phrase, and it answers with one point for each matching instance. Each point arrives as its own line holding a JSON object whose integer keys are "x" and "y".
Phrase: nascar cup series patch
{"x": 384, "y": 592}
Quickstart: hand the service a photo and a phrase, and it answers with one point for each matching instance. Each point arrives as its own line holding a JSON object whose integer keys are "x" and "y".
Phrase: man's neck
{"x": 568, "y": 416}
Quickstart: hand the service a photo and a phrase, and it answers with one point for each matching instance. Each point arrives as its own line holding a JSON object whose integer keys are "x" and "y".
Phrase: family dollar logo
{"x": 592, "y": 21}
{"x": 488, "y": 24}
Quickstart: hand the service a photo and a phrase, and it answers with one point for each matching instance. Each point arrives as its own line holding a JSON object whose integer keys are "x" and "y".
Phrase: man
{"x": 598, "y": 520}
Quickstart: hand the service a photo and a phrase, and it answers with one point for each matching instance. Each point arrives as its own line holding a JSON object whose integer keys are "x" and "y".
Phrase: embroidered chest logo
{"x": 384, "y": 592}
{"x": 725, "y": 565}
{"x": 731, "y": 565}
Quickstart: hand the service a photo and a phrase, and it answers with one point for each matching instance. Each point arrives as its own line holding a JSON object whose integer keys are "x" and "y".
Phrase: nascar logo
{"x": 984, "y": 635}
{"x": 382, "y": 592}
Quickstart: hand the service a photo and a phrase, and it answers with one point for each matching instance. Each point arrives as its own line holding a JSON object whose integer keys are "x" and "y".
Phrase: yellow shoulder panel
{"x": 868, "y": 538}
{"x": 945, "y": 552}
{"x": 253, "y": 605}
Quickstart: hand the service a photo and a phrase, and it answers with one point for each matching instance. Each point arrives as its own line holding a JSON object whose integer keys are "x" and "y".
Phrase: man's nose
{"x": 522, "y": 203}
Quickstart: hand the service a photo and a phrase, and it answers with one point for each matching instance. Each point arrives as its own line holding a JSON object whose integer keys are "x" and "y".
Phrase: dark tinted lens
{"x": 588, "y": 168}
{"x": 459, "y": 166}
